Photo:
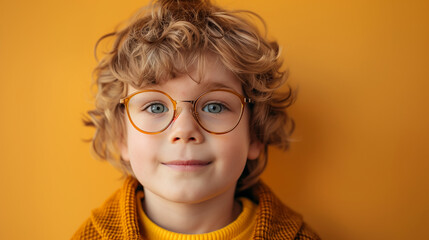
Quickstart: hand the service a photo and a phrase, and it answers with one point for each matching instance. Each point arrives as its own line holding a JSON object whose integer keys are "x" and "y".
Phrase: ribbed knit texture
{"x": 117, "y": 217}
{"x": 240, "y": 229}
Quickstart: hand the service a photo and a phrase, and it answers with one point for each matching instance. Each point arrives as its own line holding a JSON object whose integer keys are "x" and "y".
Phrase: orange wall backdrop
{"x": 358, "y": 168}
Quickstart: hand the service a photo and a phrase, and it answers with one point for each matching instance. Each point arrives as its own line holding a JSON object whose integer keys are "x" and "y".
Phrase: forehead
{"x": 204, "y": 75}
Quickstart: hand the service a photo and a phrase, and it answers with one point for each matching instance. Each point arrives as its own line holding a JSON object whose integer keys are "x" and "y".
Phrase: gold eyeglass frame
{"x": 176, "y": 113}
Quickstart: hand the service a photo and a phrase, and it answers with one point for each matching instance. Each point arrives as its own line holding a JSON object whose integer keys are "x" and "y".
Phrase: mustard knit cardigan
{"x": 117, "y": 217}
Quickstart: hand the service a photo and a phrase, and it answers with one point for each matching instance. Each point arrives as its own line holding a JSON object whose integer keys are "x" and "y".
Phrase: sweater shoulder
{"x": 90, "y": 229}
{"x": 86, "y": 231}
{"x": 306, "y": 233}
{"x": 276, "y": 220}
{"x": 115, "y": 218}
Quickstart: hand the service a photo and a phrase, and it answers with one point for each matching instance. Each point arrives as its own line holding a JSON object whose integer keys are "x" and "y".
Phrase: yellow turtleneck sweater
{"x": 240, "y": 229}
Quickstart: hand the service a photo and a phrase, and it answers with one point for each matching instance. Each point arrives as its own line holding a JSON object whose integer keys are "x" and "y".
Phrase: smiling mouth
{"x": 187, "y": 165}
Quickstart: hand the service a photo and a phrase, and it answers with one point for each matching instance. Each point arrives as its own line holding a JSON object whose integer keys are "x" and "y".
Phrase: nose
{"x": 185, "y": 128}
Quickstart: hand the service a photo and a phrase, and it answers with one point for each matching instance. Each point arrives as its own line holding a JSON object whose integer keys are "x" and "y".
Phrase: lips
{"x": 187, "y": 165}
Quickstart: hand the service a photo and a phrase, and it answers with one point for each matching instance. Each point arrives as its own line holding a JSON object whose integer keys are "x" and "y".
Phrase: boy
{"x": 186, "y": 106}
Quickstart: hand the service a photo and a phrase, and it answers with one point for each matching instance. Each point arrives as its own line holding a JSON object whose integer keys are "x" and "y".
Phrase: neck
{"x": 200, "y": 217}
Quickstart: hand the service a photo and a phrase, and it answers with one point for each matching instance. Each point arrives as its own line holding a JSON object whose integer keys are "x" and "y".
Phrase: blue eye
{"x": 214, "y": 108}
{"x": 157, "y": 108}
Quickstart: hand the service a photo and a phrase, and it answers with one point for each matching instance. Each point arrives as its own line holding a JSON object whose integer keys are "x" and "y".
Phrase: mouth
{"x": 187, "y": 165}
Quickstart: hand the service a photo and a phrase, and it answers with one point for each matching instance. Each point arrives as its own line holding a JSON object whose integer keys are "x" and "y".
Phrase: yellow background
{"x": 358, "y": 168}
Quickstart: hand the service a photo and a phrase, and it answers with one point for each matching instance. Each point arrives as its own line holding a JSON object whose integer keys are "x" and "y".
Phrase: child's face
{"x": 220, "y": 158}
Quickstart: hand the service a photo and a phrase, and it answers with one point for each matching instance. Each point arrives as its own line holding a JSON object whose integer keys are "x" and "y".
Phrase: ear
{"x": 124, "y": 151}
{"x": 255, "y": 148}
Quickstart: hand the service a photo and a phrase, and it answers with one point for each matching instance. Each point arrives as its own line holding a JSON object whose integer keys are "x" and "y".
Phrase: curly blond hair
{"x": 160, "y": 41}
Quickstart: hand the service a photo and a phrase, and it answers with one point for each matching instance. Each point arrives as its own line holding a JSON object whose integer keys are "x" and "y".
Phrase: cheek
{"x": 234, "y": 155}
{"x": 140, "y": 147}
{"x": 142, "y": 150}
{"x": 234, "y": 147}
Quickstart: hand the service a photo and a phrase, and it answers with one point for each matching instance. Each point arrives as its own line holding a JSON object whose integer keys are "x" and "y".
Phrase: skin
{"x": 201, "y": 196}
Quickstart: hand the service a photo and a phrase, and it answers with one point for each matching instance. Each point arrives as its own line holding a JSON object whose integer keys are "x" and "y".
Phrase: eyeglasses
{"x": 217, "y": 111}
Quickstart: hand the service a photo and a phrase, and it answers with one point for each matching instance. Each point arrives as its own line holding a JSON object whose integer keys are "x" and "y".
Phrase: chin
{"x": 188, "y": 196}
{"x": 197, "y": 194}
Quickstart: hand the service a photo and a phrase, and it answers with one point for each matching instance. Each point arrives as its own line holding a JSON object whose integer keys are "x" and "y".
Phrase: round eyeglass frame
{"x": 244, "y": 101}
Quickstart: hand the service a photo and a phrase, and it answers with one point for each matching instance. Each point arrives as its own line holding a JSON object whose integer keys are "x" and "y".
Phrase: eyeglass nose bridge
{"x": 178, "y": 110}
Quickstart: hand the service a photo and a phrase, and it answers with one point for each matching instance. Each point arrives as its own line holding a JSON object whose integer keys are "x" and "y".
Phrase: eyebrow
{"x": 213, "y": 85}
{"x": 208, "y": 86}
